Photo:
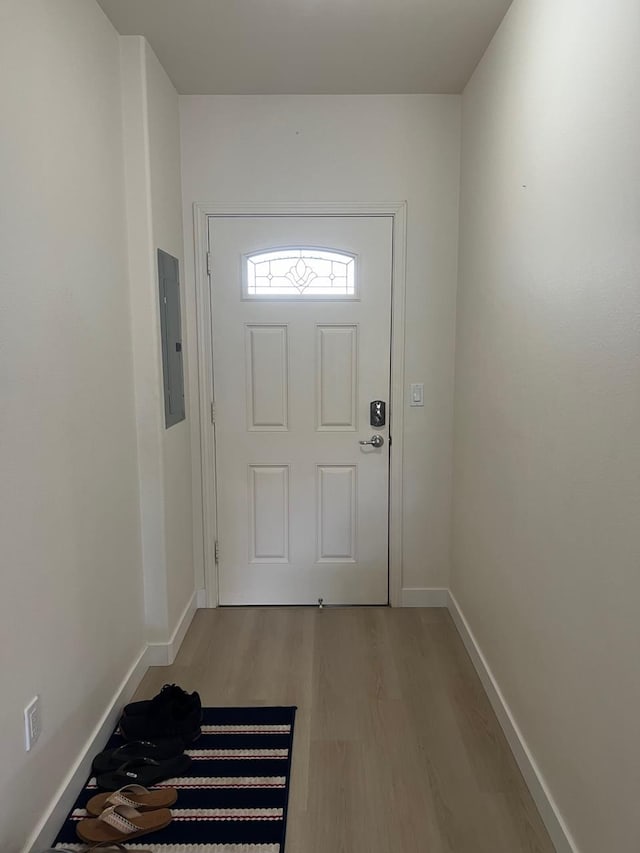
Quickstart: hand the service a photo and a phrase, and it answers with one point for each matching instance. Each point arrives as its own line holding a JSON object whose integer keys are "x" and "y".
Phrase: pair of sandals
{"x": 128, "y": 813}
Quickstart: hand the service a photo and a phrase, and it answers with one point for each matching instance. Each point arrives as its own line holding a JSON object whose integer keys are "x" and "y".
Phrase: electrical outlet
{"x": 32, "y": 723}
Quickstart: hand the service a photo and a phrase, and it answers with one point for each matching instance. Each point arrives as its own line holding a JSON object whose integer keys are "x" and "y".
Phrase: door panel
{"x": 269, "y": 513}
{"x": 267, "y": 377}
{"x": 337, "y": 377}
{"x": 337, "y": 513}
{"x": 302, "y": 506}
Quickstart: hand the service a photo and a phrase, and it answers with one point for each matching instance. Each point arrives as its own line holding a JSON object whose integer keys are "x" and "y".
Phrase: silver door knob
{"x": 374, "y": 441}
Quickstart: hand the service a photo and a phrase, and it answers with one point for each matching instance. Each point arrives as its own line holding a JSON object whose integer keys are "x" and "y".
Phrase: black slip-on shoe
{"x": 170, "y": 695}
{"x": 171, "y": 721}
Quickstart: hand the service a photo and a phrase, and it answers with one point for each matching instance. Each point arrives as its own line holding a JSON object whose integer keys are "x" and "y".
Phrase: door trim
{"x": 202, "y": 212}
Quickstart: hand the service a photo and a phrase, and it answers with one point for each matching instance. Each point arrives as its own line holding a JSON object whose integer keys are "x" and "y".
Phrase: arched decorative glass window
{"x": 300, "y": 273}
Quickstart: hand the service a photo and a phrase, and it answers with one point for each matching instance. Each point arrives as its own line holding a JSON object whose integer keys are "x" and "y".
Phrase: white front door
{"x": 301, "y": 348}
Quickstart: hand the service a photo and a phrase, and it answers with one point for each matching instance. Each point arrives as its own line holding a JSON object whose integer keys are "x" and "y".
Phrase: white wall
{"x": 71, "y": 610}
{"x": 356, "y": 148}
{"x": 154, "y": 216}
{"x": 547, "y": 446}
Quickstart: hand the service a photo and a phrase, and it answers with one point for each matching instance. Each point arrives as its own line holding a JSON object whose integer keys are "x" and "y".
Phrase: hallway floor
{"x": 396, "y": 749}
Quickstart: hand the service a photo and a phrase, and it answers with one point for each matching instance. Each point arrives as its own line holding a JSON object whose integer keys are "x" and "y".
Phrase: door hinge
{"x": 217, "y": 553}
{"x": 209, "y": 263}
{"x": 213, "y": 413}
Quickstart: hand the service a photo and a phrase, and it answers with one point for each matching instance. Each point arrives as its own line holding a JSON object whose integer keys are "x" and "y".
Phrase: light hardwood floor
{"x": 396, "y": 748}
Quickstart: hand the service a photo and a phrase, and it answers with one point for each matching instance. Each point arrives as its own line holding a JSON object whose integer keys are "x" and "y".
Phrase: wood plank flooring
{"x": 396, "y": 749}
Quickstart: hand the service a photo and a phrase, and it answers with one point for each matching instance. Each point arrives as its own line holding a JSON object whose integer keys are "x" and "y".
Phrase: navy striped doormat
{"x": 234, "y": 799}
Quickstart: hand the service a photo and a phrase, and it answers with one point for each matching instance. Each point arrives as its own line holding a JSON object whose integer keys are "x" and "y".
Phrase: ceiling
{"x": 313, "y": 46}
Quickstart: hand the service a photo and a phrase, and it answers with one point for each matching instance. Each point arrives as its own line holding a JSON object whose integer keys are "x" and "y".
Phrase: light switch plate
{"x": 416, "y": 395}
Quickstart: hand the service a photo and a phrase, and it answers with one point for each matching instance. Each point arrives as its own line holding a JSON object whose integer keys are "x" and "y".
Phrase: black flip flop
{"x": 112, "y": 759}
{"x": 107, "y": 846}
{"x": 143, "y": 771}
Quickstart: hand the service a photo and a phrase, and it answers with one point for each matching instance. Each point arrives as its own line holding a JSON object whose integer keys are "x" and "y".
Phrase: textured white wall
{"x": 547, "y": 445}
{"x": 357, "y": 148}
{"x": 71, "y": 611}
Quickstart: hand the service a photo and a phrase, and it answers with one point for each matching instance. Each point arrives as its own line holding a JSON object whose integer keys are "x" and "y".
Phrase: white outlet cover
{"x": 32, "y": 723}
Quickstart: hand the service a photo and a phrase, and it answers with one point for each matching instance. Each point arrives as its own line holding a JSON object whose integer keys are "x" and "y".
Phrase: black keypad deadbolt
{"x": 378, "y": 413}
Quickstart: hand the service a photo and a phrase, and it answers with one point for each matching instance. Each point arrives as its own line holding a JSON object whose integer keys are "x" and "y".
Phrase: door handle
{"x": 374, "y": 441}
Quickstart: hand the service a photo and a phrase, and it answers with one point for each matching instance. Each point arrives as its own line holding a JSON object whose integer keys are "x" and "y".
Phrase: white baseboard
{"x": 424, "y": 597}
{"x": 201, "y": 598}
{"x": 64, "y": 798}
{"x": 164, "y": 654}
{"x": 553, "y": 820}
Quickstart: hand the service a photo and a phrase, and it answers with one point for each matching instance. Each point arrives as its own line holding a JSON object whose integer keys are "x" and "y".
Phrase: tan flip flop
{"x": 120, "y": 823}
{"x": 135, "y": 796}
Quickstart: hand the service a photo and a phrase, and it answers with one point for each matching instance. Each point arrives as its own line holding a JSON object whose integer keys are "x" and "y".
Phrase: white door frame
{"x": 202, "y": 211}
